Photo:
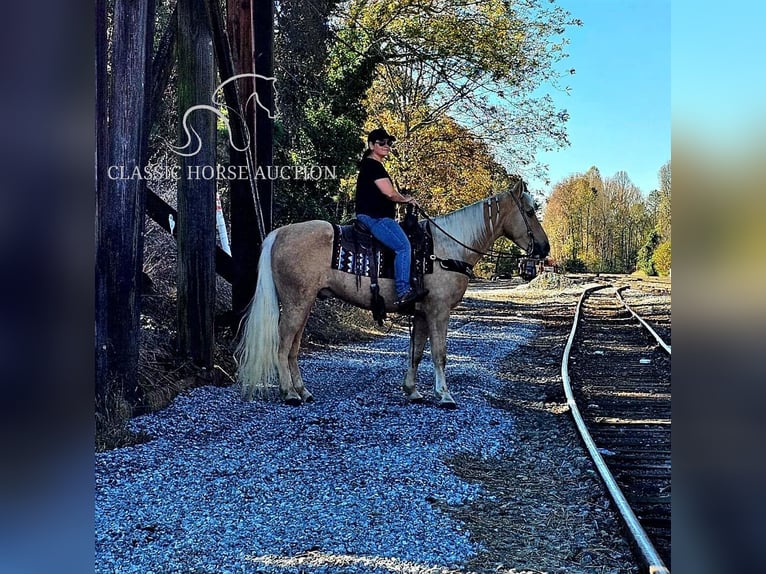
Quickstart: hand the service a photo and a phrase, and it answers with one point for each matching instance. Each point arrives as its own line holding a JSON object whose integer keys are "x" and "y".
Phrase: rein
{"x": 430, "y": 220}
{"x": 491, "y": 252}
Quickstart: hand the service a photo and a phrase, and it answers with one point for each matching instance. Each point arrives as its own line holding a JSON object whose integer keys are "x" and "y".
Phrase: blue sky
{"x": 619, "y": 103}
{"x": 719, "y": 84}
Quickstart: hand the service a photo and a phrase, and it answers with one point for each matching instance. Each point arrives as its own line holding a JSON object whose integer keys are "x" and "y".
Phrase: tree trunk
{"x": 120, "y": 202}
{"x": 196, "y": 190}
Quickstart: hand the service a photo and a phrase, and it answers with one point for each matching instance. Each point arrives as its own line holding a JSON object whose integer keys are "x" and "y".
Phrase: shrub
{"x": 645, "y": 259}
{"x": 661, "y": 258}
{"x": 575, "y": 265}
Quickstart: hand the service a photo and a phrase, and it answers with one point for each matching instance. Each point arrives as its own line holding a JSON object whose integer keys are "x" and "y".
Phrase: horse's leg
{"x": 291, "y": 324}
{"x": 301, "y": 259}
{"x": 292, "y": 361}
{"x": 417, "y": 345}
{"x": 437, "y": 323}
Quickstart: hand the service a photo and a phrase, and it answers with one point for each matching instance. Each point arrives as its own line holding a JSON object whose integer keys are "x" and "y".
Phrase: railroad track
{"x": 616, "y": 375}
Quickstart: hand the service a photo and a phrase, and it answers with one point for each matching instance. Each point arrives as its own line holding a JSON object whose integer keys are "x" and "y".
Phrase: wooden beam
{"x": 158, "y": 210}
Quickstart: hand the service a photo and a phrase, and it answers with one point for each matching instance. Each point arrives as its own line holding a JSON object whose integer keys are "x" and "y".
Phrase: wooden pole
{"x": 162, "y": 65}
{"x": 263, "y": 57}
{"x": 245, "y": 235}
{"x": 102, "y": 161}
{"x": 120, "y": 202}
{"x": 196, "y": 188}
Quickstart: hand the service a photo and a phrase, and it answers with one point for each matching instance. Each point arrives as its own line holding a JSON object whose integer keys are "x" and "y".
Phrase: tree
{"x": 481, "y": 63}
{"x": 302, "y": 37}
{"x": 323, "y": 72}
{"x": 661, "y": 259}
{"x": 596, "y": 223}
{"x": 659, "y": 208}
{"x": 646, "y": 253}
{"x": 444, "y": 164}
{"x": 423, "y": 66}
{"x": 664, "y": 203}
{"x": 662, "y": 255}
{"x": 568, "y": 219}
{"x": 628, "y": 221}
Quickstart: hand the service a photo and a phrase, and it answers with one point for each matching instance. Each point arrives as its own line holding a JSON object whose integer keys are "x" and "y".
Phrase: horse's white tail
{"x": 256, "y": 351}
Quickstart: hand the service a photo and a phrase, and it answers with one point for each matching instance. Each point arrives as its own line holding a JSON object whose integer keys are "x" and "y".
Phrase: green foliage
{"x": 661, "y": 258}
{"x": 323, "y": 140}
{"x": 458, "y": 83}
{"x": 505, "y": 265}
{"x": 645, "y": 260}
{"x": 664, "y": 219}
{"x": 323, "y": 115}
{"x": 487, "y": 65}
{"x": 575, "y": 265}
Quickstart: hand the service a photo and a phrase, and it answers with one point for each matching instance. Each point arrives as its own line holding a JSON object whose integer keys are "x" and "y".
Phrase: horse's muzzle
{"x": 541, "y": 250}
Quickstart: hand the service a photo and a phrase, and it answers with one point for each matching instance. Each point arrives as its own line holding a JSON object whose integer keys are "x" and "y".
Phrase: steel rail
{"x": 648, "y": 552}
{"x": 646, "y": 325}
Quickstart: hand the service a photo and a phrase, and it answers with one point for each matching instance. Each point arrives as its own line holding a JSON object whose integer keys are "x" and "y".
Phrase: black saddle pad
{"x": 353, "y": 251}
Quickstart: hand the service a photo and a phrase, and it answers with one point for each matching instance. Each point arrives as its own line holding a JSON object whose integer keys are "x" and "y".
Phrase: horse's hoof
{"x": 416, "y": 400}
{"x": 449, "y": 404}
{"x": 294, "y": 401}
{"x": 307, "y": 397}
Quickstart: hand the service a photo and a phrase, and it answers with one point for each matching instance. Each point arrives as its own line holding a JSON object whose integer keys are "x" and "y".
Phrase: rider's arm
{"x": 387, "y": 188}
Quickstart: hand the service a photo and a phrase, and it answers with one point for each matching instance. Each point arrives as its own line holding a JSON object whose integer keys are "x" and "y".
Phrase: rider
{"x": 375, "y": 199}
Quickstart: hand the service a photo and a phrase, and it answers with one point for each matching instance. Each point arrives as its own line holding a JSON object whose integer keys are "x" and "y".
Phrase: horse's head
{"x": 521, "y": 224}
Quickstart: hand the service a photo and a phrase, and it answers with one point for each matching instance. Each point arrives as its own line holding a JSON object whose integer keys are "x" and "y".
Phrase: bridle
{"x": 491, "y": 252}
{"x": 517, "y": 200}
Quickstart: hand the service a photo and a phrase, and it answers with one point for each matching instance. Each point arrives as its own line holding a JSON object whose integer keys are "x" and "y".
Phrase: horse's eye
{"x": 530, "y": 213}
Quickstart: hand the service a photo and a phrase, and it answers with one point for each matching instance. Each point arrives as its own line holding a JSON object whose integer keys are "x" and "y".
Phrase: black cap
{"x": 379, "y": 134}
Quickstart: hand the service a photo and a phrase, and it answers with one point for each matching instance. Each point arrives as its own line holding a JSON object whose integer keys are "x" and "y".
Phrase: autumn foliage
{"x": 605, "y": 224}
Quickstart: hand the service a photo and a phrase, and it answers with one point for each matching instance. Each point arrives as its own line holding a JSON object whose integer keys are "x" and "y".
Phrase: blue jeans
{"x": 390, "y": 234}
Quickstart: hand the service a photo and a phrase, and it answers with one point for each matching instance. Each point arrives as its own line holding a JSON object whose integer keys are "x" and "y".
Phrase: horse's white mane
{"x": 467, "y": 224}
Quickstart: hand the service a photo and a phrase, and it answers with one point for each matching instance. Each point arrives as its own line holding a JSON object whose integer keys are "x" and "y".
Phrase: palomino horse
{"x": 294, "y": 269}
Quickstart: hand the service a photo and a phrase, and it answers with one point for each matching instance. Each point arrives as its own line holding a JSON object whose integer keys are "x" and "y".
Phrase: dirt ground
{"x": 540, "y": 512}
{"x": 531, "y": 509}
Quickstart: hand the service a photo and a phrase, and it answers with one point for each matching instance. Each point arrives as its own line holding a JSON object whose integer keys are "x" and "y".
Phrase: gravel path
{"x": 353, "y": 483}
{"x": 360, "y": 481}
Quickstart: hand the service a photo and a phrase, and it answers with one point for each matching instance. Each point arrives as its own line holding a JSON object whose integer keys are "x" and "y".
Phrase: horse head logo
{"x": 217, "y": 109}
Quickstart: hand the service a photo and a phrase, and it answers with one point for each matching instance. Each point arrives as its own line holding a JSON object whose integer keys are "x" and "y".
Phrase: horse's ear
{"x": 519, "y": 188}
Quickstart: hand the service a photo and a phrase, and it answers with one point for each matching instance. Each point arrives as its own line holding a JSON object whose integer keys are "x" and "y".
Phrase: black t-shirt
{"x": 369, "y": 199}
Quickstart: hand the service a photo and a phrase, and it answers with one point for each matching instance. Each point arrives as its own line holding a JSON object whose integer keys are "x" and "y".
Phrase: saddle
{"x": 356, "y": 251}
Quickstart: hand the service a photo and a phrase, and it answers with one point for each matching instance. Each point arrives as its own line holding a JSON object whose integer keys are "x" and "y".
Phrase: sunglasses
{"x": 389, "y": 143}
